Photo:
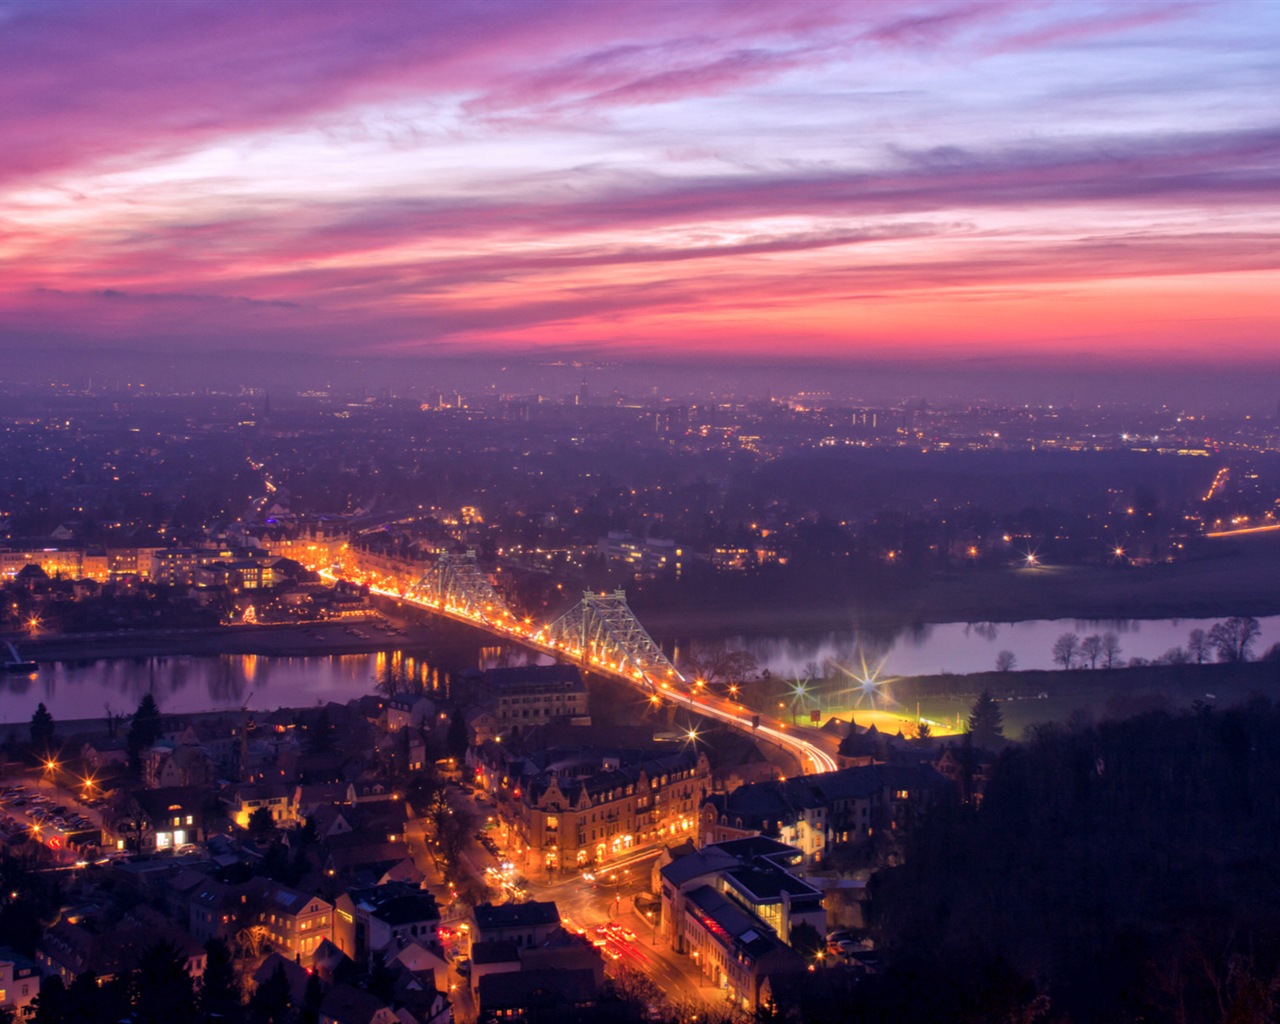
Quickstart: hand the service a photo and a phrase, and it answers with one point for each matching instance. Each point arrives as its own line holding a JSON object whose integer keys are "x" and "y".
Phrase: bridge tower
{"x": 602, "y": 629}
{"x": 456, "y": 584}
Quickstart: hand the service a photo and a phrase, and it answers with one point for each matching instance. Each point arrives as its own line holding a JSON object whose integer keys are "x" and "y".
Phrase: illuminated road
{"x": 810, "y": 756}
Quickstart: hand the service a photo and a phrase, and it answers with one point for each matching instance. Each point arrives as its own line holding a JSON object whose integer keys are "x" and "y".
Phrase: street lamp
{"x": 51, "y": 767}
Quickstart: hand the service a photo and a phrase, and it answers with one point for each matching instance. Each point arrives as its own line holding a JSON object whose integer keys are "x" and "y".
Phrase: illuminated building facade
{"x": 588, "y": 808}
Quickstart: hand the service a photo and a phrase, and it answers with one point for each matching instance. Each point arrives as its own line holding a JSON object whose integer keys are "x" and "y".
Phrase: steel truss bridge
{"x": 601, "y": 633}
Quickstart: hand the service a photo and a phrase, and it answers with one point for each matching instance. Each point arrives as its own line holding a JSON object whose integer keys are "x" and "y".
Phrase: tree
{"x": 1091, "y": 648}
{"x": 145, "y": 730}
{"x": 88, "y": 1001}
{"x": 320, "y": 738}
{"x": 986, "y": 721}
{"x": 219, "y": 989}
{"x": 113, "y": 721}
{"x": 271, "y": 1003}
{"x": 1005, "y": 661}
{"x": 51, "y": 1003}
{"x": 1198, "y": 646}
{"x": 1065, "y": 649}
{"x": 1110, "y": 649}
{"x": 261, "y": 821}
{"x": 165, "y": 992}
{"x": 41, "y": 730}
{"x": 806, "y": 940}
{"x": 726, "y": 666}
{"x": 1233, "y": 638}
{"x": 456, "y": 741}
{"x": 923, "y": 730}
{"x": 309, "y": 1012}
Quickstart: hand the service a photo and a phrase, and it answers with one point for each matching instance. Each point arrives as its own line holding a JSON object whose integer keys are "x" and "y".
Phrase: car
{"x": 463, "y": 966}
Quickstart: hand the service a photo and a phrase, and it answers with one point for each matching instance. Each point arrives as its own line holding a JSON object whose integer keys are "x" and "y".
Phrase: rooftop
{"x": 516, "y": 915}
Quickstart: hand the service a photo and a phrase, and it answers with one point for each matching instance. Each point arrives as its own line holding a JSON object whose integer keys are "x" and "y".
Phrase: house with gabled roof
{"x": 813, "y": 812}
{"x": 374, "y": 918}
{"x": 346, "y": 1004}
{"x": 590, "y": 806}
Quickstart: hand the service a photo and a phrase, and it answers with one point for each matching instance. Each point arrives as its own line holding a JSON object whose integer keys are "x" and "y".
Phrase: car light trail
{"x": 809, "y": 755}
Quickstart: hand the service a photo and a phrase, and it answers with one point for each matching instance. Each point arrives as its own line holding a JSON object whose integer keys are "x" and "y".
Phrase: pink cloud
{"x": 1077, "y": 30}
{"x": 100, "y": 83}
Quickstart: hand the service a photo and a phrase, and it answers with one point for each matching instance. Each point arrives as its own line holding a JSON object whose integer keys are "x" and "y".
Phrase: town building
{"x": 19, "y": 982}
{"x": 577, "y": 808}
{"x": 377, "y": 918}
{"x": 643, "y": 556}
{"x": 813, "y": 812}
{"x": 732, "y": 907}
{"x": 520, "y": 698}
{"x": 525, "y": 924}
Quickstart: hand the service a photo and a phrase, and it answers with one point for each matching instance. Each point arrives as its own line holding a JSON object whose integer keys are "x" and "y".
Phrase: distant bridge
{"x": 601, "y": 633}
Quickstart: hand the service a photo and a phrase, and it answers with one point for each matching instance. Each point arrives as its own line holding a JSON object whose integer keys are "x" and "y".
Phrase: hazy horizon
{"x": 612, "y": 379}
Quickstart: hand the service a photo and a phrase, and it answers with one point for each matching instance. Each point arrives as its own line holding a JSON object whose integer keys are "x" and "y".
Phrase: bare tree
{"x": 1110, "y": 649}
{"x": 1198, "y": 646}
{"x": 1091, "y": 648}
{"x": 1233, "y": 639}
{"x": 1005, "y": 661}
{"x": 1065, "y": 649}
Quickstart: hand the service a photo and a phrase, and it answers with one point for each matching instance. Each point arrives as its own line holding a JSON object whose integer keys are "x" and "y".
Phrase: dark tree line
{"x": 1230, "y": 641}
{"x": 1121, "y": 872}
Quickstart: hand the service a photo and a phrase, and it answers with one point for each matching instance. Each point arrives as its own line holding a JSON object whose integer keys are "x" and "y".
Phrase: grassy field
{"x": 1029, "y": 698}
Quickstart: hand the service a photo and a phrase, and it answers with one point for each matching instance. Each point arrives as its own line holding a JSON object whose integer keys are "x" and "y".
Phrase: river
{"x": 73, "y": 690}
{"x": 181, "y": 684}
{"x": 954, "y": 647}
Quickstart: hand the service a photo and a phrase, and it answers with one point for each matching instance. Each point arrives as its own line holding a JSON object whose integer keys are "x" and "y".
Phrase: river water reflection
{"x": 84, "y": 690}
{"x": 955, "y": 647}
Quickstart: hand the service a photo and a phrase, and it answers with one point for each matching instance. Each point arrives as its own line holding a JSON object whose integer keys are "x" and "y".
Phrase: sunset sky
{"x": 1023, "y": 181}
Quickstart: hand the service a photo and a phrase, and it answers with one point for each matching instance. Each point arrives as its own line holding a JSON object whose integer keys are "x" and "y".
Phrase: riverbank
{"x": 283, "y": 641}
{"x": 1236, "y": 577}
{"x": 1029, "y": 698}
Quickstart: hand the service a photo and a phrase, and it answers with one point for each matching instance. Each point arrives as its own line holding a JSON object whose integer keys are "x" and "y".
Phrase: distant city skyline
{"x": 999, "y": 190}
